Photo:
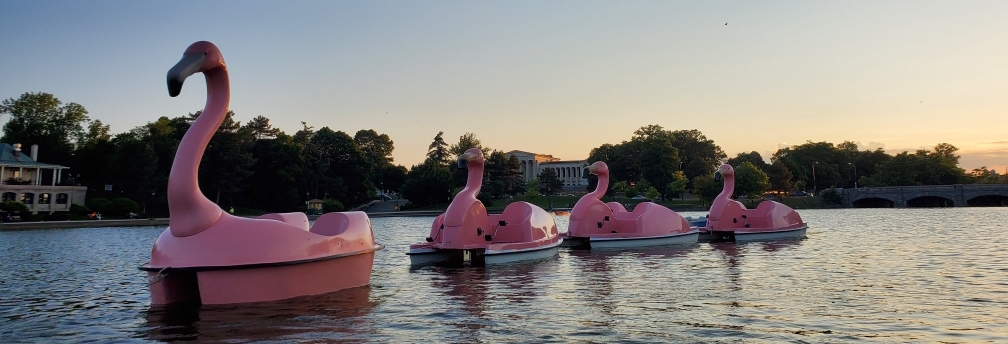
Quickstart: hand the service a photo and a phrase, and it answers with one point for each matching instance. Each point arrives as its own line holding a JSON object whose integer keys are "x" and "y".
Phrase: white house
{"x": 569, "y": 171}
{"x": 39, "y": 186}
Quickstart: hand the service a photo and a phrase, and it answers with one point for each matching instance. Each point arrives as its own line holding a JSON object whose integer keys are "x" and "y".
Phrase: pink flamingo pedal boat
{"x": 594, "y": 224}
{"x": 208, "y": 256}
{"x": 729, "y": 220}
{"x": 465, "y": 233}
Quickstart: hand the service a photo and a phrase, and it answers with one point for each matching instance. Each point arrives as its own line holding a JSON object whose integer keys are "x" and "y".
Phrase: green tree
{"x": 40, "y": 118}
{"x": 650, "y": 154}
{"x": 428, "y": 183}
{"x": 97, "y": 132}
{"x": 923, "y": 167}
{"x": 750, "y": 181}
{"x": 984, "y": 176}
{"x": 677, "y": 187}
{"x": 549, "y": 183}
{"x": 700, "y": 156}
{"x": 346, "y": 171}
{"x": 495, "y": 179}
{"x": 513, "y": 178}
{"x": 330, "y": 205}
{"x": 705, "y": 188}
{"x": 832, "y": 197}
{"x": 226, "y": 161}
{"x": 261, "y": 128}
{"x": 280, "y": 165}
{"x": 532, "y": 188}
{"x": 438, "y": 150}
{"x": 657, "y": 159}
{"x": 377, "y": 147}
{"x": 780, "y": 179}
{"x": 93, "y": 156}
{"x": 123, "y": 206}
{"x": 466, "y": 141}
{"x": 752, "y": 157}
{"x": 652, "y": 193}
{"x": 132, "y": 169}
{"x": 619, "y": 187}
{"x": 393, "y": 177}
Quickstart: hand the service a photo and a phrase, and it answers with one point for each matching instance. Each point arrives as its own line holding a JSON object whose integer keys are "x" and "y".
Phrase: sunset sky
{"x": 552, "y": 77}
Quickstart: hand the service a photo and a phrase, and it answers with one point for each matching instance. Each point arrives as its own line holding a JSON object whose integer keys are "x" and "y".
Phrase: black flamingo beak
{"x": 189, "y": 64}
{"x": 463, "y": 160}
{"x": 585, "y": 173}
{"x": 717, "y": 176}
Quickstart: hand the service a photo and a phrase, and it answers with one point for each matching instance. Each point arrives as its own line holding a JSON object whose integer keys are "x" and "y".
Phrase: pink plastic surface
{"x": 727, "y": 214}
{"x": 201, "y": 235}
{"x": 466, "y": 221}
{"x": 591, "y": 218}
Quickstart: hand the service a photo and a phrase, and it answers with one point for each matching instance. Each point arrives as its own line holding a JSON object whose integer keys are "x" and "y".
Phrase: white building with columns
{"x": 39, "y": 186}
{"x": 569, "y": 171}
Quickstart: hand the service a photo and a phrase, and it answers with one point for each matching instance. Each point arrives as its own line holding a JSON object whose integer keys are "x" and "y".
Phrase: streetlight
{"x": 815, "y": 186}
{"x": 855, "y": 174}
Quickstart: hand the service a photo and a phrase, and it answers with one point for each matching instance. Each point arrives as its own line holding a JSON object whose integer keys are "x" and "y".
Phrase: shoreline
{"x": 163, "y": 221}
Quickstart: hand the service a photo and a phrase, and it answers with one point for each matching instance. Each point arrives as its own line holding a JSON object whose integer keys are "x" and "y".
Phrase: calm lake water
{"x": 886, "y": 275}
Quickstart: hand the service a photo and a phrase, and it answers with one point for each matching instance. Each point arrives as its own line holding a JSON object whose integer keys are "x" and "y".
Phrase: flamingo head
{"x": 598, "y": 168}
{"x": 725, "y": 170}
{"x": 471, "y": 158}
{"x": 200, "y": 57}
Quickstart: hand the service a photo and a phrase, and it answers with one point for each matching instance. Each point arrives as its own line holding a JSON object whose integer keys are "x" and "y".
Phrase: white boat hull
{"x": 424, "y": 256}
{"x": 672, "y": 239}
{"x": 427, "y": 256}
{"x": 797, "y": 233}
{"x": 510, "y": 256}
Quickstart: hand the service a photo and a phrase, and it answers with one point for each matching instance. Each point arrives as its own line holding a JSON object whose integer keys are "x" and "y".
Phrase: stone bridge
{"x": 958, "y": 195}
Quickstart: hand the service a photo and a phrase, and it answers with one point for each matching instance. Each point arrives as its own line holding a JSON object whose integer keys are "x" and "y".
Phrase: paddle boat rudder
{"x": 208, "y": 256}
{"x": 729, "y": 220}
{"x": 466, "y": 234}
{"x": 594, "y": 224}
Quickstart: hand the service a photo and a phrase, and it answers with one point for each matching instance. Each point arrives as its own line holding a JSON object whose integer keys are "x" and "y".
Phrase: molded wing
{"x": 730, "y": 216}
{"x": 296, "y": 219}
{"x": 465, "y": 230}
{"x": 656, "y": 219}
{"x": 616, "y": 207}
{"x": 590, "y": 216}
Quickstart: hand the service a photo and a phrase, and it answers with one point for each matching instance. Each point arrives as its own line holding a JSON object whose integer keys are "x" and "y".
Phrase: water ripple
{"x": 864, "y": 274}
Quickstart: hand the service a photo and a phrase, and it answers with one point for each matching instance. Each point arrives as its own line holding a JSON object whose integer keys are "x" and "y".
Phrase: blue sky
{"x": 556, "y": 77}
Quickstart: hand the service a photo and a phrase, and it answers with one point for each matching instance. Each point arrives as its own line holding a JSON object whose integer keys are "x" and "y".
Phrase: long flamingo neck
{"x": 191, "y": 212}
{"x": 474, "y": 182}
{"x": 722, "y": 199}
{"x": 457, "y": 211}
{"x": 729, "y": 187}
{"x": 603, "y": 186}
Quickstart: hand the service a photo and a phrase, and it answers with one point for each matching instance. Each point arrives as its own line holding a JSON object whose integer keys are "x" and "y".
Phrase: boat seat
{"x": 296, "y": 219}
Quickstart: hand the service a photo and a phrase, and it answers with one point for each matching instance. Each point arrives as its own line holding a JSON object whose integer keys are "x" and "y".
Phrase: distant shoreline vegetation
{"x": 256, "y": 166}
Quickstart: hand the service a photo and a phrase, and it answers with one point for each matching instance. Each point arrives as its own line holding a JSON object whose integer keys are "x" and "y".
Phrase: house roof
{"x": 9, "y": 158}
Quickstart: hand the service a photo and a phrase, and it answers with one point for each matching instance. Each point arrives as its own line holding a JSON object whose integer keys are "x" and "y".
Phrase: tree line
{"x": 251, "y": 165}
{"x": 258, "y": 166}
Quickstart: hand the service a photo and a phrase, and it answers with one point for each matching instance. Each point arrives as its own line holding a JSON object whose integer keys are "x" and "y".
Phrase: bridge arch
{"x": 930, "y": 201}
{"x": 988, "y": 201}
{"x": 873, "y": 202}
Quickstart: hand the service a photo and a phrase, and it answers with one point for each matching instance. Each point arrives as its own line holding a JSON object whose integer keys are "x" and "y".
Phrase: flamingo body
{"x": 595, "y": 223}
{"x": 522, "y": 230}
{"x": 728, "y": 215}
{"x": 213, "y": 257}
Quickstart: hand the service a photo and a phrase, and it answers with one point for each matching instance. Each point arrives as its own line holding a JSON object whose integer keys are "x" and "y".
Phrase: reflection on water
{"x": 342, "y": 314}
{"x": 888, "y": 275}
